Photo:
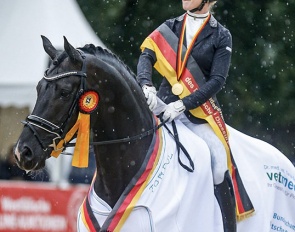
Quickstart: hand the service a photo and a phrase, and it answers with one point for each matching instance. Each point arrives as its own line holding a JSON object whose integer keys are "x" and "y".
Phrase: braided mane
{"x": 109, "y": 57}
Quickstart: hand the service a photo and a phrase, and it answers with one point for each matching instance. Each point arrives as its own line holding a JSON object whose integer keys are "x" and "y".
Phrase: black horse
{"x": 91, "y": 83}
{"x": 119, "y": 96}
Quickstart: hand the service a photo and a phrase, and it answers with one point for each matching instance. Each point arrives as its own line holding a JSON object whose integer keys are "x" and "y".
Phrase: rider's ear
{"x": 48, "y": 47}
{"x": 74, "y": 54}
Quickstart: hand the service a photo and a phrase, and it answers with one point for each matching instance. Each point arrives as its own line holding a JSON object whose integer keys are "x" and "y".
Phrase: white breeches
{"x": 204, "y": 131}
{"x": 217, "y": 150}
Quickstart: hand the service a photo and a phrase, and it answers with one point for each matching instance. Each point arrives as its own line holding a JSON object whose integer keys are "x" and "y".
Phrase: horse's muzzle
{"x": 26, "y": 160}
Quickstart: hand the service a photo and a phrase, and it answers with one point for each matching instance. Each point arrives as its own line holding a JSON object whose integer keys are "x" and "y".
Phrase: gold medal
{"x": 177, "y": 89}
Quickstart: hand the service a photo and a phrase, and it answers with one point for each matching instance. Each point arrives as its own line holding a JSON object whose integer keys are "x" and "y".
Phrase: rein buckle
{"x": 55, "y": 144}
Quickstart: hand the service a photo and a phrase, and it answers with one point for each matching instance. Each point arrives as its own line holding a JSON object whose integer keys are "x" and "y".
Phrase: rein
{"x": 123, "y": 140}
{"x": 180, "y": 146}
{"x": 149, "y": 132}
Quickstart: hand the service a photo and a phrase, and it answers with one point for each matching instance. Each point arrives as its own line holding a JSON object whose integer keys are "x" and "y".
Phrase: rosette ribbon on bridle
{"x": 88, "y": 102}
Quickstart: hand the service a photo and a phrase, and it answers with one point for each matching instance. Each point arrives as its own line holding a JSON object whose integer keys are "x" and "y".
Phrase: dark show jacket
{"x": 212, "y": 49}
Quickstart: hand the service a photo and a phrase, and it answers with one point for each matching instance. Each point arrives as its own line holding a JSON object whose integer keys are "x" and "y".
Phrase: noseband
{"x": 33, "y": 121}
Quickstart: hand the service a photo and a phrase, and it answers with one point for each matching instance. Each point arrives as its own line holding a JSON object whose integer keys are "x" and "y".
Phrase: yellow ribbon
{"x": 81, "y": 152}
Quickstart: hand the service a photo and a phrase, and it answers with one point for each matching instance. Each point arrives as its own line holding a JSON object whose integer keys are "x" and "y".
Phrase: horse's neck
{"x": 117, "y": 163}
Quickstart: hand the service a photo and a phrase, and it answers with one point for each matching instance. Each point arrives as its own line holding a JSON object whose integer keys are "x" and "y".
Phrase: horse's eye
{"x": 65, "y": 93}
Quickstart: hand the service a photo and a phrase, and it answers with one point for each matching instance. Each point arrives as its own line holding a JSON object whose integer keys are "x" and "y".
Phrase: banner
{"x": 28, "y": 207}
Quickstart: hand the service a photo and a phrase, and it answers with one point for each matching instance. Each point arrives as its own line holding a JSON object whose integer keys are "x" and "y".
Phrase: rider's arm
{"x": 146, "y": 61}
{"x": 218, "y": 74}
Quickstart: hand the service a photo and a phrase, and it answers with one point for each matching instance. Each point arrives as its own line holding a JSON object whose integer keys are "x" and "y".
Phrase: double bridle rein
{"x": 33, "y": 121}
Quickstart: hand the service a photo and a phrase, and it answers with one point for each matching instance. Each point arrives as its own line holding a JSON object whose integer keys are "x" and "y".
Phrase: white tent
{"x": 22, "y": 58}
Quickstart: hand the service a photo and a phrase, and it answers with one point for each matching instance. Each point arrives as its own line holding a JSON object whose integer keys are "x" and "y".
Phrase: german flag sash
{"x": 165, "y": 44}
{"x": 87, "y": 215}
{"x": 130, "y": 196}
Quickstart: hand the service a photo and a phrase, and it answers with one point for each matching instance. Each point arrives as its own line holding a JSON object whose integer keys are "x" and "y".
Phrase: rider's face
{"x": 192, "y": 4}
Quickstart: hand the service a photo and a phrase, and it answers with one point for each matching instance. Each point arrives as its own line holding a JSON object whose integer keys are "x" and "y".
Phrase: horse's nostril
{"x": 16, "y": 158}
{"x": 27, "y": 154}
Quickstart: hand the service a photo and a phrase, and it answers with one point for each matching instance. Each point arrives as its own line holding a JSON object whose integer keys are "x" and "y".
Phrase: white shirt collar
{"x": 198, "y": 15}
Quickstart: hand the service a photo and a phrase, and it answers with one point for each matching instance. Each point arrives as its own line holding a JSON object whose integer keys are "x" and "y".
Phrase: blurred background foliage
{"x": 259, "y": 96}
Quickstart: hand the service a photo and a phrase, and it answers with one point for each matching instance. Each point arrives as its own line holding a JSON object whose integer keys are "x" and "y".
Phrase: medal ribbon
{"x": 181, "y": 64}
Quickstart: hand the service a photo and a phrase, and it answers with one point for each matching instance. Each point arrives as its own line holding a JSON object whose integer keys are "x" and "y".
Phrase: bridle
{"x": 33, "y": 121}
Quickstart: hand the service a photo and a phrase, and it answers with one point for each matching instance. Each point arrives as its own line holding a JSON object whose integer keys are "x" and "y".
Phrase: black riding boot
{"x": 224, "y": 194}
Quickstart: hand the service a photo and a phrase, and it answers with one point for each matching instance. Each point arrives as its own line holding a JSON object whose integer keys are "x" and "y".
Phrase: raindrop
{"x": 111, "y": 109}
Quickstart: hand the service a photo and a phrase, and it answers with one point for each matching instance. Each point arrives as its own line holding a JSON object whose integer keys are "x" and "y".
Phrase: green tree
{"x": 259, "y": 95}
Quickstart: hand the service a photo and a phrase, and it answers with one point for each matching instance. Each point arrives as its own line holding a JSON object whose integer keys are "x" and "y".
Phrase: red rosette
{"x": 88, "y": 101}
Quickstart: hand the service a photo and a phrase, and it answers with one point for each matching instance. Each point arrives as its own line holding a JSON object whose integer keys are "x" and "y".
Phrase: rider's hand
{"x": 150, "y": 95}
{"x": 173, "y": 110}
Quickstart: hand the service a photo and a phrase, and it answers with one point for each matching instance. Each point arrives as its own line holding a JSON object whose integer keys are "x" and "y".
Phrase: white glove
{"x": 173, "y": 110}
{"x": 160, "y": 107}
{"x": 150, "y": 95}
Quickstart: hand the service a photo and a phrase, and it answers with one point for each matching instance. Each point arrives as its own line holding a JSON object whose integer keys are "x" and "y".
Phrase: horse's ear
{"x": 48, "y": 47}
{"x": 74, "y": 55}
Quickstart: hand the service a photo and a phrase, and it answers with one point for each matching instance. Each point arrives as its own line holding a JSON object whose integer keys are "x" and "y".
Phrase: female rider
{"x": 193, "y": 52}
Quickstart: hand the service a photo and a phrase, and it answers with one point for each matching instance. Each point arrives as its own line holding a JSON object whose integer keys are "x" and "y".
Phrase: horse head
{"x": 119, "y": 109}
